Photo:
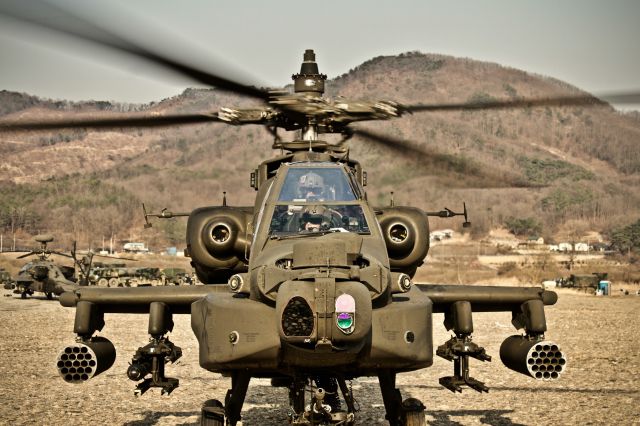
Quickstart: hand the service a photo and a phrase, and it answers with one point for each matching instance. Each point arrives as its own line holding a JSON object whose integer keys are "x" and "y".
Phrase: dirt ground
{"x": 600, "y": 386}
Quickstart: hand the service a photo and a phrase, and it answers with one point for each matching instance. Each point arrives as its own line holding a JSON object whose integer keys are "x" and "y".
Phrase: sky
{"x": 589, "y": 44}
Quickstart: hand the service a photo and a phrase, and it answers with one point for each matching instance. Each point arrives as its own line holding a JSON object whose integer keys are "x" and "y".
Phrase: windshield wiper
{"x": 304, "y": 234}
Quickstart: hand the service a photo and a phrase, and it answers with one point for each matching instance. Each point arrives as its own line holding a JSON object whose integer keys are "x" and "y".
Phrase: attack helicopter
{"x": 318, "y": 284}
{"x": 312, "y": 285}
{"x": 44, "y": 275}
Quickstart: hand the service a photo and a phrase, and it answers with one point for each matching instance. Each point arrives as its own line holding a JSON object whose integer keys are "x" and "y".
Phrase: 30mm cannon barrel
{"x": 540, "y": 359}
{"x": 81, "y": 361}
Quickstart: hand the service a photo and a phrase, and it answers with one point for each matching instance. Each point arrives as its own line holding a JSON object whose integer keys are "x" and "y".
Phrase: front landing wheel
{"x": 212, "y": 413}
{"x": 413, "y": 412}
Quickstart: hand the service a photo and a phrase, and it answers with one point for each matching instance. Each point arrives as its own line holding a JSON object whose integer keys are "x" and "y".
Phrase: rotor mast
{"x": 309, "y": 82}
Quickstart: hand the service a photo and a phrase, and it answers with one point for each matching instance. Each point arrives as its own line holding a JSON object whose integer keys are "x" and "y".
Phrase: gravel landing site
{"x": 601, "y": 384}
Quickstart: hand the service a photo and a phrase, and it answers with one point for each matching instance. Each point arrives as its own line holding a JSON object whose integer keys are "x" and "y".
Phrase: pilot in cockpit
{"x": 311, "y": 187}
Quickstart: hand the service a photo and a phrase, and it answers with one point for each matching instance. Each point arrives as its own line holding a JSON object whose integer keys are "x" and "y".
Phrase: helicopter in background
{"x": 312, "y": 285}
{"x": 44, "y": 275}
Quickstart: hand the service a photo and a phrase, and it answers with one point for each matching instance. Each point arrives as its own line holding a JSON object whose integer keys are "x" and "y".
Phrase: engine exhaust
{"x": 540, "y": 359}
{"x": 81, "y": 361}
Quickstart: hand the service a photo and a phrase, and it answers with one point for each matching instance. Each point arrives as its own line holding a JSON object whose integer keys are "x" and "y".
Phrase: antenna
{"x": 466, "y": 223}
{"x": 147, "y": 224}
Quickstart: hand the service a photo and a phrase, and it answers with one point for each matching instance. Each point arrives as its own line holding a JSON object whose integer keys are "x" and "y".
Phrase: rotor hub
{"x": 309, "y": 80}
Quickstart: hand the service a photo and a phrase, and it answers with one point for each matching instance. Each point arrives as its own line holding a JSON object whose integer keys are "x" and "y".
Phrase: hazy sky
{"x": 590, "y": 44}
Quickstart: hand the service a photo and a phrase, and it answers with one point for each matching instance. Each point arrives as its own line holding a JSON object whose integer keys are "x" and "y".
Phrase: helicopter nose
{"x": 323, "y": 311}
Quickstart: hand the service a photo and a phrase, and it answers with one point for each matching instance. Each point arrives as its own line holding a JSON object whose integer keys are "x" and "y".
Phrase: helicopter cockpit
{"x": 316, "y": 199}
{"x": 307, "y": 184}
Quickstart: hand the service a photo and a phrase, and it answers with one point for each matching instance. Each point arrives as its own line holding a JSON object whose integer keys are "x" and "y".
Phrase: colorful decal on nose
{"x": 345, "y": 313}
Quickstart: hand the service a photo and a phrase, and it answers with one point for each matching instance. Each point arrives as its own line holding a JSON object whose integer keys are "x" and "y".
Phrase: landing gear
{"x": 413, "y": 412}
{"x": 235, "y": 396}
{"x": 324, "y": 406}
{"x": 212, "y": 413}
{"x": 409, "y": 412}
{"x": 317, "y": 408}
{"x": 49, "y": 295}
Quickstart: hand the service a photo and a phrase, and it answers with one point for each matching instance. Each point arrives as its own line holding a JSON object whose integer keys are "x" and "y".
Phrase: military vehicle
{"x": 108, "y": 276}
{"x": 319, "y": 286}
{"x": 585, "y": 282}
{"x": 44, "y": 275}
{"x": 176, "y": 276}
{"x": 122, "y": 276}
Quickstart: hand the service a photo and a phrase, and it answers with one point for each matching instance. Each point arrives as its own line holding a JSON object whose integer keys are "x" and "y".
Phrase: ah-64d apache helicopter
{"x": 44, "y": 275}
{"x": 319, "y": 281}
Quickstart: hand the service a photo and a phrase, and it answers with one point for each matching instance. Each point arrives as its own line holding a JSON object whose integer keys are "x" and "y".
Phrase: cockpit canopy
{"x": 307, "y": 218}
{"x": 318, "y": 198}
{"x": 305, "y": 184}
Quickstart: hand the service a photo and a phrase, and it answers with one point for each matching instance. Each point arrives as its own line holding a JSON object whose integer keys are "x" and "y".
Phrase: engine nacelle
{"x": 218, "y": 242}
{"x": 406, "y": 235}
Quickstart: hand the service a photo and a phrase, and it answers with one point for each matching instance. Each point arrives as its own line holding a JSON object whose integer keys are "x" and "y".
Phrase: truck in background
{"x": 135, "y": 248}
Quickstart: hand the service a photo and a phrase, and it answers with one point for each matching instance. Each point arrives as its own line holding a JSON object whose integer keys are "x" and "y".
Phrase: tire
{"x": 49, "y": 295}
{"x": 113, "y": 282}
{"x": 212, "y": 413}
{"x": 103, "y": 282}
{"x": 415, "y": 419}
{"x": 414, "y": 414}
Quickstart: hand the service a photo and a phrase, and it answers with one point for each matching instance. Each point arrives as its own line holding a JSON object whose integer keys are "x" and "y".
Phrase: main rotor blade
{"x": 26, "y": 255}
{"x": 442, "y": 161}
{"x": 488, "y": 104}
{"x": 406, "y": 147}
{"x": 87, "y": 253}
{"x": 42, "y": 14}
{"x": 57, "y": 253}
{"x": 115, "y": 257}
{"x": 109, "y": 122}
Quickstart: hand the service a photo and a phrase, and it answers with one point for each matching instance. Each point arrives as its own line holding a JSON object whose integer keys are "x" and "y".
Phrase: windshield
{"x": 309, "y": 218}
{"x": 316, "y": 184}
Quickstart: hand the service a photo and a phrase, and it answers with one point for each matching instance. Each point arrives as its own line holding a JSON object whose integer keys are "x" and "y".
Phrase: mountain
{"x": 580, "y": 165}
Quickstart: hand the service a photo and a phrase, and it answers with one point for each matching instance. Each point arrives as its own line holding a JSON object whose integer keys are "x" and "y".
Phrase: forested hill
{"x": 581, "y": 164}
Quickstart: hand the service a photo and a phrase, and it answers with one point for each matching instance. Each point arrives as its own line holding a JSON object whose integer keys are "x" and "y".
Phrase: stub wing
{"x": 530, "y": 354}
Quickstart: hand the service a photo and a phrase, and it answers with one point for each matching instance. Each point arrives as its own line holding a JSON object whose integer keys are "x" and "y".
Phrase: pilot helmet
{"x": 310, "y": 183}
{"x": 316, "y": 215}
